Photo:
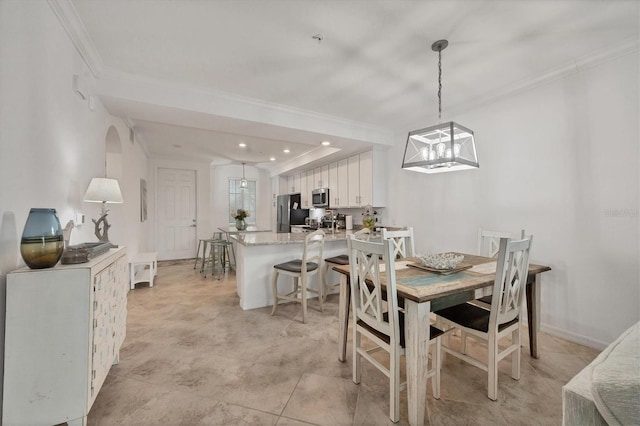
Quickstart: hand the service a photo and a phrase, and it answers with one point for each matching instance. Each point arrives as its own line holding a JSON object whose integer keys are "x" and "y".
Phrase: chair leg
{"x": 492, "y": 367}
{"x": 463, "y": 342}
{"x": 195, "y": 264}
{"x": 325, "y": 281}
{"x": 515, "y": 356}
{"x": 436, "y": 362}
{"x": 357, "y": 360}
{"x": 303, "y": 297}
{"x": 320, "y": 282}
{"x": 274, "y": 289}
{"x": 394, "y": 397}
{"x": 203, "y": 267}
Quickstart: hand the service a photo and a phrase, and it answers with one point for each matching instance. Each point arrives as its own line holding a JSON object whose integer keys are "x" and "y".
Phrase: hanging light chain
{"x": 439, "y": 46}
{"x": 440, "y": 86}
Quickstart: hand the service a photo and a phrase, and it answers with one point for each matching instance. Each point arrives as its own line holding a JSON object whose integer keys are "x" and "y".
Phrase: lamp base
{"x": 102, "y": 228}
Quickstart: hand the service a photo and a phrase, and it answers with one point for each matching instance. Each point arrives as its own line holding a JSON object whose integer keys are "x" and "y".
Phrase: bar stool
{"x": 301, "y": 270}
{"x": 218, "y": 254}
{"x": 342, "y": 259}
{"x": 201, "y": 243}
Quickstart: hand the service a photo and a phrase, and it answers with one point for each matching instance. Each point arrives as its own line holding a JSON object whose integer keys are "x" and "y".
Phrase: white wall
{"x": 220, "y": 194}
{"x": 51, "y": 144}
{"x": 560, "y": 161}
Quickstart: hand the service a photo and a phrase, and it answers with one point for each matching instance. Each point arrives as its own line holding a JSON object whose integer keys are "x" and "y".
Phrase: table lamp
{"x": 103, "y": 190}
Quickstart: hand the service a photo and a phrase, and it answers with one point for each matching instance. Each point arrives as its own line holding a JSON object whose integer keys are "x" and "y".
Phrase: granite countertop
{"x": 275, "y": 238}
{"x": 250, "y": 228}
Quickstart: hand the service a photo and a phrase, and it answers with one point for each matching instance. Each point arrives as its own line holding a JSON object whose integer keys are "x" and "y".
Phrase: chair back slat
{"x": 511, "y": 279}
{"x": 403, "y": 245}
{"x": 313, "y": 248}
{"x": 489, "y": 241}
{"x": 366, "y": 260}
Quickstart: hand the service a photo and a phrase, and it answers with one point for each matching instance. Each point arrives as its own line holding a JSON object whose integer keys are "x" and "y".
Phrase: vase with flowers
{"x": 240, "y": 215}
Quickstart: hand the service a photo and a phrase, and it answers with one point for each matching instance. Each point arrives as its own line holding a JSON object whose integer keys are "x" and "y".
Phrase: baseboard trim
{"x": 573, "y": 337}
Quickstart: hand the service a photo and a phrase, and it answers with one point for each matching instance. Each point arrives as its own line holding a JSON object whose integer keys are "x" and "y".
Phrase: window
{"x": 242, "y": 199}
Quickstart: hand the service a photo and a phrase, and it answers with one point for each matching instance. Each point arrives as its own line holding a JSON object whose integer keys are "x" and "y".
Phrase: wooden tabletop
{"x": 421, "y": 286}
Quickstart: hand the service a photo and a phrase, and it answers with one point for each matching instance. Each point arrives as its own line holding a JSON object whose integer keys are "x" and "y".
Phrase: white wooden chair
{"x": 502, "y": 319}
{"x": 489, "y": 246}
{"x": 403, "y": 245}
{"x": 301, "y": 270}
{"x": 342, "y": 259}
{"x": 384, "y": 328}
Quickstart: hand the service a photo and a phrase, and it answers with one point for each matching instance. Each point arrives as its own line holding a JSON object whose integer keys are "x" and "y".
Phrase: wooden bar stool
{"x": 301, "y": 270}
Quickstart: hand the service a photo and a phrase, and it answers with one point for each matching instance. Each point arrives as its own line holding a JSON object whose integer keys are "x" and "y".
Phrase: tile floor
{"x": 193, "y": 357}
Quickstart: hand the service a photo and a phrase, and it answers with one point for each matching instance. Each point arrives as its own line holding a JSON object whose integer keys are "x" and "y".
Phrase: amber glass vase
{"x": 42, "y": 241}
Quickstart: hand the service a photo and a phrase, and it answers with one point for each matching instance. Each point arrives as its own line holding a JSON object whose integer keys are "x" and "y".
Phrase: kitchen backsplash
{"x": 356, "y": 213}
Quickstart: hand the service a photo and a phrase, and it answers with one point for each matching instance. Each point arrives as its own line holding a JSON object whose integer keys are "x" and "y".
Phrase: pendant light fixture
{"x": 444, "y": 147}
{"x": 244, "y": 184}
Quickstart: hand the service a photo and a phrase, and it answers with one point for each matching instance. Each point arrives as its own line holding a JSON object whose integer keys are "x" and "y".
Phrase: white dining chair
{"x": 503, "y": 318}
{"x": 301, "y": 270}
{"x": 488, "y": 246}
{"x": 403, "y": 245}
{"x": 376, "y": 316}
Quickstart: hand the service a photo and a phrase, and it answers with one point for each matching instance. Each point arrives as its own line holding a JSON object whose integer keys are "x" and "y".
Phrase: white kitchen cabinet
{"x": 367, "y": 180}
{"x": 321, "y": 177}
{"x": 291, "y": 185}
{"x": 309, "y": 187}
{"x": 354, "y": 181}
{"x": 304, "y": 191}
{"x": 333, "y": 185}
{"x": 63, "y": 331}
{"x": 297, "y": 182}
{"x": 339, "y": 184}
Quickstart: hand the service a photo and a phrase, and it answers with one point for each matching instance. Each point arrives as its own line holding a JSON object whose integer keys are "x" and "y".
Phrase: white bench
{"x": 149, "y": 263}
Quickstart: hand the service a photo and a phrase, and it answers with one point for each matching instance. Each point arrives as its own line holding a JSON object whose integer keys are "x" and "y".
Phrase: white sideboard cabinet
{"x": 64, "y": 329}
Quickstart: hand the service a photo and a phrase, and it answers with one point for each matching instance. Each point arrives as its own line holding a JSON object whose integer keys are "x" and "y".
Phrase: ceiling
{"x": 196, "y": 78}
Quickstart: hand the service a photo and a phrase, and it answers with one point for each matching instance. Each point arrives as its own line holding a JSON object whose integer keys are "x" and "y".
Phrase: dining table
{"x": 426, "y": 291}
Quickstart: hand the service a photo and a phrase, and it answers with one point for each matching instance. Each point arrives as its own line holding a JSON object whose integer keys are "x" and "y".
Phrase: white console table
{"x": 64, "y": 329}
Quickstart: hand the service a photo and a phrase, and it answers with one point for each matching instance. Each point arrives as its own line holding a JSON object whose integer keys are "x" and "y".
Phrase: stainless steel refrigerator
{"x": 289, "y": 212}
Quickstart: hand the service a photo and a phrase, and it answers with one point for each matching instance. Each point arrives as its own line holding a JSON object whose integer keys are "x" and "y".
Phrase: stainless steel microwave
{"x": 320, "y": 197}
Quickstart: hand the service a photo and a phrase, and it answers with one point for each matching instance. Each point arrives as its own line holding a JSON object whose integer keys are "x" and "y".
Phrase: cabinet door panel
{"x": 354, "y": 181}
{"x": 304, "y": 191}
{"x": 343, "y": 183}
{"x": 333, "y": 185}
{"x": 366, "y": 178}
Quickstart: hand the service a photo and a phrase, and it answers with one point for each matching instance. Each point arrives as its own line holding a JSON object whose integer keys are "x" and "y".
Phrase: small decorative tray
{"x": 441, "y": 263}
{"x": 440, "y": 271}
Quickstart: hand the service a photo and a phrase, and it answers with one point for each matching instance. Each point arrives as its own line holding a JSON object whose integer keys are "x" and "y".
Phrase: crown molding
{"x": 71, "y": 22}
{"x": 216, "y": 96}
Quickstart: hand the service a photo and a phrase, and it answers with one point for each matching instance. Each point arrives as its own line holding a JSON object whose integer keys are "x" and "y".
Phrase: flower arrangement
{"x": 240, "y": 214}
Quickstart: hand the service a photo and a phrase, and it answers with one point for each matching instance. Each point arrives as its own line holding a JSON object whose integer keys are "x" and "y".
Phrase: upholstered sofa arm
{"x": 607, "y": 391}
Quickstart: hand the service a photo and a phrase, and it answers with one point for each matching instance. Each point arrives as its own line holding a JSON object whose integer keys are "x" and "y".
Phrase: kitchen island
{"x": 257, "y": 252}
{"x": 231, "y": 230}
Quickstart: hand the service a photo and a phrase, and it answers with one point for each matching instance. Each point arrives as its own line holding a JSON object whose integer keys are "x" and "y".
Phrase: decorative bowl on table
{"x": 441, "y": 260}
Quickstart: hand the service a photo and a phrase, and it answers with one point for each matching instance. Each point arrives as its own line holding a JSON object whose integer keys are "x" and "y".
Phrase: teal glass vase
{"x": 42, "y": 240}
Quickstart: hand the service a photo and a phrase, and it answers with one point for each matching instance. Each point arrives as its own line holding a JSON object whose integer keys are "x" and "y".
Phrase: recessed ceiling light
{"x": 326, "y": 143}
{"x": 272, "y": 159}
{"x": 242, "y": 145}
{"x": 286, "y": 151}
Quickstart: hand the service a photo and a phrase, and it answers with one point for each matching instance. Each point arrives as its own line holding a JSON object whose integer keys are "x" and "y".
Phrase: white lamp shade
{"x": 103, "y": 190}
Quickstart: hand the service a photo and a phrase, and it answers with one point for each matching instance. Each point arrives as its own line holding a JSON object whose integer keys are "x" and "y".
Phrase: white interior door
{"x": 176, "y": 210}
